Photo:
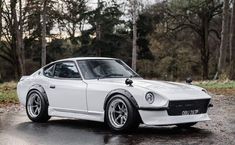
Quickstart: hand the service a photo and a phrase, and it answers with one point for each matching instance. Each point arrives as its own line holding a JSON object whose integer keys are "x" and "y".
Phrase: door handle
{"x": 52, "y": 86}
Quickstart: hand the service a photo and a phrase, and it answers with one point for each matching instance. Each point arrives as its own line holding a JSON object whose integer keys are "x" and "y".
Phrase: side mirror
{"x": 128, "y": 82}
{"x": 189, "y": 80}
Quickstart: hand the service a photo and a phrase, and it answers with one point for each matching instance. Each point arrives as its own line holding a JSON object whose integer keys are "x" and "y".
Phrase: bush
{"x": 8, "y": 93}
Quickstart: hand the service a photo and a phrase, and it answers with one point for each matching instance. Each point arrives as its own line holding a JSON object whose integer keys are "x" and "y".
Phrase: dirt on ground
{"x": 10, "y": 107}
{"x": 224, "y": 91}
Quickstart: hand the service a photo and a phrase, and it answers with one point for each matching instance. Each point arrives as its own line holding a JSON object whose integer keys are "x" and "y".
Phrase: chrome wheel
{"x": 34, "y": 105}
{"x": 117, "y": 113}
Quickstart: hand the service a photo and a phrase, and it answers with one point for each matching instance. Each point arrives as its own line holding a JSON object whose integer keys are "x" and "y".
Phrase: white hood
{"x": 169, "y": 90}
{"x": 172, "y": 90}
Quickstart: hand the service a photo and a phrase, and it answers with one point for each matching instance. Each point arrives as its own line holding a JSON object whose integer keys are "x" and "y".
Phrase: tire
{"x": 118, "y": 106}
{"x": 37, "y": 107}
{"x": 186, "y": 125}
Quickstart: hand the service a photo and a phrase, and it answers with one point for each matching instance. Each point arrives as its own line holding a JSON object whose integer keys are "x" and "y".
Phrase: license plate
{"x": 190, "y": 112}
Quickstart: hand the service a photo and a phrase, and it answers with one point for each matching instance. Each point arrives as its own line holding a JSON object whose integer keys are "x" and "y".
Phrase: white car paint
{"x": 84, "y": 99}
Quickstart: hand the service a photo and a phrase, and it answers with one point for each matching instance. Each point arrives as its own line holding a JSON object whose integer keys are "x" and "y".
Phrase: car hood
{"x": 173, "y": 90}
{"x": 169, "y": 90}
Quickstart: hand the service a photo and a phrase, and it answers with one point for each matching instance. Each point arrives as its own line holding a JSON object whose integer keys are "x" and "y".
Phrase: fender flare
{"x": 40, "y": 89}
{"x": 123, "y": 92}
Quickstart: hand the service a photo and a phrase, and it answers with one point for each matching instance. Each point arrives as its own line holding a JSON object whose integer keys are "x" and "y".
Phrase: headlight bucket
{"x": 149, "y": 97}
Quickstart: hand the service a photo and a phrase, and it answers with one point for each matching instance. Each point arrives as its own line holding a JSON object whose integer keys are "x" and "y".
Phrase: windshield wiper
{"x": 133, "y": 76}
{"x": 109, "y": 75}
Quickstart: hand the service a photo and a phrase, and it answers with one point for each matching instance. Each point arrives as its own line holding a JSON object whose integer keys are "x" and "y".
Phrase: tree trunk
{"x": 224, "y": 40}
{"x": 21, "y": 41}
{"x": 43, "y": 39}
{"x": 98, "y": 30}
{"x": 204, "y": 50}
{"x": 134, "y": 45}
{"x": 1, "y": 20}
{"x": 15, "y": 35}
{"x": 232, "y": 44}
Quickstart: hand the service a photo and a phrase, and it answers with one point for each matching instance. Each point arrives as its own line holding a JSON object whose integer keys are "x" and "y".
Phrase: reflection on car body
{"x": 108, "y": 90}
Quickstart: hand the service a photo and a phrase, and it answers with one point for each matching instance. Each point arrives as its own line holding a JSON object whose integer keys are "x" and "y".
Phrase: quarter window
{"x": 66, "y": 70}
{"x": 48, "y": 71}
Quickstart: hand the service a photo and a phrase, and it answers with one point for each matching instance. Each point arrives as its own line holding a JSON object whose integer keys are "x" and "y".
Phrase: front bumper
{"x": 161, "y": 117}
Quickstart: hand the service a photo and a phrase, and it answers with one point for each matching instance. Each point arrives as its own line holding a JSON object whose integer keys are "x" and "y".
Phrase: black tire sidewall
{"x": 132, "y": 114}
{"x": 43, "y": 115}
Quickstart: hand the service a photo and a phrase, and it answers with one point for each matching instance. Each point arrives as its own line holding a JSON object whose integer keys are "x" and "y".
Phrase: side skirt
{"x": 70, "y": 113}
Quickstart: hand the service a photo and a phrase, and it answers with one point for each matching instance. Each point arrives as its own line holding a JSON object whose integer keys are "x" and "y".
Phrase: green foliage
{"x": 72, "y": 16}
{"x": 148, "y": 68}
{"x": 34, "y": 17}
{"x": 180, "y": 36}
{"x": 61, "y": 48}
{"x": 170, "y": 36}
{"x": 8, "y": 93}
{"x": 111, "y": 42}
{"x": 216, "y": 84}
{"x": 144, "y": 28}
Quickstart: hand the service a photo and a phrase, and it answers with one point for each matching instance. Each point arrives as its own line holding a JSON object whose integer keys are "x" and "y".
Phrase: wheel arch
{"x": 40, "y": 89}
{"x": 122, "y": 92}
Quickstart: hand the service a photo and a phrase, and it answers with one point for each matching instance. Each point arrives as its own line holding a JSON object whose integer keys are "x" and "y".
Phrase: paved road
{"x": 16, "y": 129}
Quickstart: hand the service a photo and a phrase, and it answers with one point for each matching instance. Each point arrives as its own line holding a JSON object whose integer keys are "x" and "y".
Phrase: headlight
{"x": 149, "y": 97}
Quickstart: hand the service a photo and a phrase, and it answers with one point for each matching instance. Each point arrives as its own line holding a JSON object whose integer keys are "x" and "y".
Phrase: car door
{"x": 65, "y": 89}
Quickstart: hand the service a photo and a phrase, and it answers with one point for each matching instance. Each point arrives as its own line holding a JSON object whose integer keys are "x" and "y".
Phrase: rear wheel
{"x": 120, "y": 114}
{"x": 36, "y": 107}
{"x": 186, "y": 125}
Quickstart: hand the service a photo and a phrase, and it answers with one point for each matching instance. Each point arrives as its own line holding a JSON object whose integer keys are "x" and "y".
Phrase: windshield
{"x": 105, "y": 68}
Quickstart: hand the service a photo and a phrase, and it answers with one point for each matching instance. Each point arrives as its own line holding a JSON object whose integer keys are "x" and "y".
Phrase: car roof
{"x": 84, "y": 58}
{"x": 77, "y": 58}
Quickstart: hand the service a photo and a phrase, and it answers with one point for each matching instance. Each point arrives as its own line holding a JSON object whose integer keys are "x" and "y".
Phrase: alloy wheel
{"x": 34, "y": 105}
{"x": 118, "y": 113}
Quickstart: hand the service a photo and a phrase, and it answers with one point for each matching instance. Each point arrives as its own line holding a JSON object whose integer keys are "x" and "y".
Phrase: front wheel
{"x": 120, "y": 114}
{"x": 36, "y": 107}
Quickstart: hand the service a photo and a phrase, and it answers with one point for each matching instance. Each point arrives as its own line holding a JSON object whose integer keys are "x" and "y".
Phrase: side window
{"x": 49, "y": 70}
{"x": 66, "y": 70}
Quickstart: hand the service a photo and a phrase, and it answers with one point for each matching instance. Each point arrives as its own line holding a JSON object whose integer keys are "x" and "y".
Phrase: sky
{"x": 93, "y": 4}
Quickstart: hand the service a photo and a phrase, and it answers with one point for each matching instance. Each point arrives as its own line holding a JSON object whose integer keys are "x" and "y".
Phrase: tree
{"x": 104, "y": 21}
{"x": 20, "y": 39}
{"x": 13, "y": 46}
{"x": 224, "y": 41}
{"x": 40, "y": 21}
{"x": 134, "y": 29}
{"x": 43, "y": 39}
{"x": 145, "y": 26}
{"x": 72, "y": 16}
{"x": 135, "y": 6}
{"x": 232, "y": 43}
{"x": 15, "y": 32}
{"x": 196, "y": 15}
{"x": 1, "y": 7}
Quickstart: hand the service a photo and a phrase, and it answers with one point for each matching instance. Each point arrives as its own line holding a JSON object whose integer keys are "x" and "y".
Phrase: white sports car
{"x": 107, "y": 90}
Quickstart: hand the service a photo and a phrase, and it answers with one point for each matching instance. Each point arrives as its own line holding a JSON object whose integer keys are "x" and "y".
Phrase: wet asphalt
{"x": 17, "y": 129}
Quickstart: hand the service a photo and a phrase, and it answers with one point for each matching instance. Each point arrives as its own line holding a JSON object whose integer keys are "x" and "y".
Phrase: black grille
{"x": 188, "y": 107}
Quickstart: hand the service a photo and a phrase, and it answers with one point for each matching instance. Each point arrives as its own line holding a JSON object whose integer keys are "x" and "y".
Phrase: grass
{"x": 216, "y": 84}
{"x": 8, "y": 89}
{"x": 218, "y": 87}
{"x": 8, "y": 93}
